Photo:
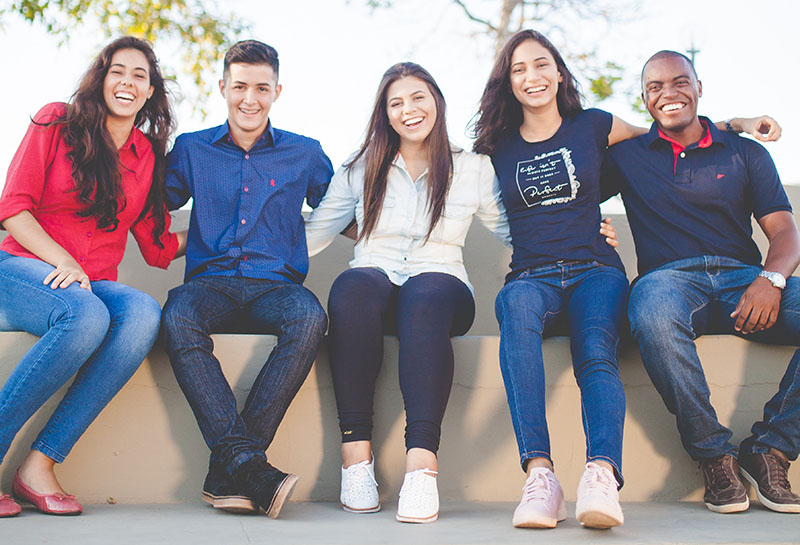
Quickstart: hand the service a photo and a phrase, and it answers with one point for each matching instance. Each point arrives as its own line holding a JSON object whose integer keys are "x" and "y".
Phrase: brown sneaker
{"x": 725, "y": 492}
{"x": 767, "y": 473}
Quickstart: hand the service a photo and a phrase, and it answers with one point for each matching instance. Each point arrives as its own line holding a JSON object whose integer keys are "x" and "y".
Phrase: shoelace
{"x": 597, "y": 480}
{"x": 720, "y": 478}
{"x": 417, "y": 475}
{"x": 361, "y": 467}
{"x": 537, "y": 488}
{"x": 778, "y": 468}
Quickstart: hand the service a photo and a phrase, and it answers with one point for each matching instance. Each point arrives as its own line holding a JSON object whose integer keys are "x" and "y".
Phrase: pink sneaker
{"x": 598, "y": 498}
{"x": 542, "y": 504}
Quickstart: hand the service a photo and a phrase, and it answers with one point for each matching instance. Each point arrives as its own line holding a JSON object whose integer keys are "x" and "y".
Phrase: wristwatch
{"x": 777, "y": 279}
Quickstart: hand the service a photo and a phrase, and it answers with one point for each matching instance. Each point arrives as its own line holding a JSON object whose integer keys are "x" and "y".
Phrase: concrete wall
{"x": 146, "y": 447}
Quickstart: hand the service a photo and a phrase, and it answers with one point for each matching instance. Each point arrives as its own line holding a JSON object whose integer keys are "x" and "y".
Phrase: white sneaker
{"x": 598, "y": 498}
{"x": 359, "y": 488}
{"x": 542, "y": 504}
{"x": 419, "y": 497}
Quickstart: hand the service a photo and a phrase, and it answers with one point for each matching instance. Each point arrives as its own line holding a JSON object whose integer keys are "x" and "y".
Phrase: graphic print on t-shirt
{"x": 548, "y": 178}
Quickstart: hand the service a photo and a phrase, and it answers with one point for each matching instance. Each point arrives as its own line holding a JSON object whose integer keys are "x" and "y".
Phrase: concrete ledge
{"x": 146, "y": 447}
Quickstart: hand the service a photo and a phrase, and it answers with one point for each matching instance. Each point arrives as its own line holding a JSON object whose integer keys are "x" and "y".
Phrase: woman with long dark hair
{"x": 413, "y": 195}
{"x": 547, "y": 151}
{"x": 86, "y": 174}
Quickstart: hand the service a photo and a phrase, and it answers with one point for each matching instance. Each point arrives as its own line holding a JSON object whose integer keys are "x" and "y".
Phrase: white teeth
{"x": 671, "y": 107}
{"x": 122, "y": 95}
{"x": 412, "y": 121}
{"x": 536, "y": 89}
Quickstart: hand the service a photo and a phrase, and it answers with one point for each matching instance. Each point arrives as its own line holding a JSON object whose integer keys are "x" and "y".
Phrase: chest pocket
{"x": 454, "y": 223}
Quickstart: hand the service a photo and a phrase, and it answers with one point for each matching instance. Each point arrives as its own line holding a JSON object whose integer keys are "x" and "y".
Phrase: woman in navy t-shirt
{"x": 547, "y": 152}
{"x": 565, "y": 277}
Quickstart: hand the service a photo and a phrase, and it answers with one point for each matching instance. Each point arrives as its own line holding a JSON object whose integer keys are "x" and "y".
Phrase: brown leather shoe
{"x": 768, "y": 473}
{"x": 725, "y": 492}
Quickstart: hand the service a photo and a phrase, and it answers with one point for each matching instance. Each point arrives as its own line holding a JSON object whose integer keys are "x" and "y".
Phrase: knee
{"x": 307, "y": 316}
{"x": 140, "y": 315}
{"x": 354, "y": 291}
{"x": 653, "y": 314}
{"x": 520, "y": 303}
{"x": 84, "y": 313}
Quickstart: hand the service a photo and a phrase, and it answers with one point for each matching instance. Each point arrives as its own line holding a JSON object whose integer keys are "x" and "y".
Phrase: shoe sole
{"x": 360, "y": 511}
{"x": 543, "y": 521}
{"x": 592, "y": 515}
{"x": 231, "y": 504}
{"x": 282, "y": 495}
{"x": 599, "y": 520}
{"x": 416, "y": 520}
{"x": 779, "y": 507}
{"x": 729, "y": 508}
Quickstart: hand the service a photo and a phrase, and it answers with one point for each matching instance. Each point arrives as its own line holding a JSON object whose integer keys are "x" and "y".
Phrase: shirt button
{"x": 683, "y": 155}
{"x": 246, "y": 189}
{"x": 83, "y": 259}
{"x": 244, "y": 221}
{"x": 247, "y": 156}
{"x": 89, "y": 235}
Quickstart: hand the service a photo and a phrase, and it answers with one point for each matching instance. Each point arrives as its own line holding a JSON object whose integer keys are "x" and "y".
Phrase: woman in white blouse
{"x": 412, "y": 195}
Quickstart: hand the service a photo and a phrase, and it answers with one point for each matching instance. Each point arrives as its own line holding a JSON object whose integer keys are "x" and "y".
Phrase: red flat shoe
{"x": 50, "y": 504}
{"x": 8, "y": 507}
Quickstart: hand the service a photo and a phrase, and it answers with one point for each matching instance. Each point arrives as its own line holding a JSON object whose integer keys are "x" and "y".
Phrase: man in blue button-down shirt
{"x": 246, "y": 259}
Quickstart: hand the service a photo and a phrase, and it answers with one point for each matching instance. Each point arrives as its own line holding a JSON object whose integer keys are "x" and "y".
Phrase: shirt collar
{"x": 266, "y": 139}
{"x": 711, "y": 135}
{"x": 136, "y": 142}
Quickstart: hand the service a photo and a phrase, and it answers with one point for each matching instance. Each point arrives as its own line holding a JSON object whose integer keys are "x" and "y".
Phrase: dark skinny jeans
{"x": 424, "y": 313}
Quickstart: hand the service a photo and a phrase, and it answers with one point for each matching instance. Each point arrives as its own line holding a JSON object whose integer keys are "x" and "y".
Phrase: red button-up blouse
{"x": 40, "y": 181}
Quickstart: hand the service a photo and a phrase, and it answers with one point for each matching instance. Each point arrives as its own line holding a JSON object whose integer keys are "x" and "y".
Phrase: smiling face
{"x": 411, "y": 109}
{"x": 671, "y": 91}
{"x": 126, "y": 86}
{"x": 250, "y": 90}
{"x": 534, "y": 76}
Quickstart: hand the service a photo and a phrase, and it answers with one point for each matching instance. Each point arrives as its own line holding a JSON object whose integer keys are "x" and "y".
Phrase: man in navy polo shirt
{"x": 246, "y": 260}
{"x": 689, "y": 191}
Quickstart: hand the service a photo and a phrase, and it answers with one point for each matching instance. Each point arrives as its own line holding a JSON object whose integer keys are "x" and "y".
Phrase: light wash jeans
{"x": 586, "y": 300}
{"x": 103, "y": 335}
{"x": 673, "y": 305}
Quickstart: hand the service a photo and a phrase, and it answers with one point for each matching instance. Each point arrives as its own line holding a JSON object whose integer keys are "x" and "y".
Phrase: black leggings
{"x": 424, "y": 312}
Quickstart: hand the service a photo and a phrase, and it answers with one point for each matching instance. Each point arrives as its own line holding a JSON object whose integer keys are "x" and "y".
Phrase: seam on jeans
{"x": 531, "y": 454}
{"x": 691, "y": 318}
{"x": 789, "y": 390}
{"x": 46, "y": 349}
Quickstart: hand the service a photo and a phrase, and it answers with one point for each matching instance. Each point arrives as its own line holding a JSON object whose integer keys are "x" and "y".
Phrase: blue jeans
{"x": 588, "y": 300}
{"x": 224, "y": 304}
{"x": 676, "y": 303}
{"x": 103, "y": 335}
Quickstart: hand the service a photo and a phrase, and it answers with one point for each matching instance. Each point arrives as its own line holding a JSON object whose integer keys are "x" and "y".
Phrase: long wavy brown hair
{"x": 382, "y": 144}
{"x": 500, "y": 113}
{"x": 95, "y": 159}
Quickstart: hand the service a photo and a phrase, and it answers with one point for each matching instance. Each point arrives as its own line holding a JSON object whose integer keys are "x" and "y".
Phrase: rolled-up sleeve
{"x": 153, "y": 254}
{"x": 27, "y": 173}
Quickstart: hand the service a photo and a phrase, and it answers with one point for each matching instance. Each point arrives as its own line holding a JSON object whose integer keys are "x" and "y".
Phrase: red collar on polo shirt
{"x": 677, "y": 147}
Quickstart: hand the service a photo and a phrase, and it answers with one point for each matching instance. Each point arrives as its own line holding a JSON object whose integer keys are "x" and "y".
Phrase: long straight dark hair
{"x": 382, "y": 144}
{"x": 95, "y": 159}
{"x": 500, "y": 112}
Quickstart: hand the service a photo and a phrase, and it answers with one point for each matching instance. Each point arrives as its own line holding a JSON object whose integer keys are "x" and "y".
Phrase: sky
{"x": 333, "y": 53}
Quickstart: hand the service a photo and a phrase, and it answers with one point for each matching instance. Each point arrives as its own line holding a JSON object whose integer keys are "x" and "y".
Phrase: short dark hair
{"x": 668, "y": 53}
{"x": 250, "y": 52}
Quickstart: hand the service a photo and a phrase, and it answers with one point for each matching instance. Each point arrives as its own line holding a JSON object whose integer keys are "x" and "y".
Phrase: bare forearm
{"x": 784, "y": 252}
{"x": 31, "y": 236}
